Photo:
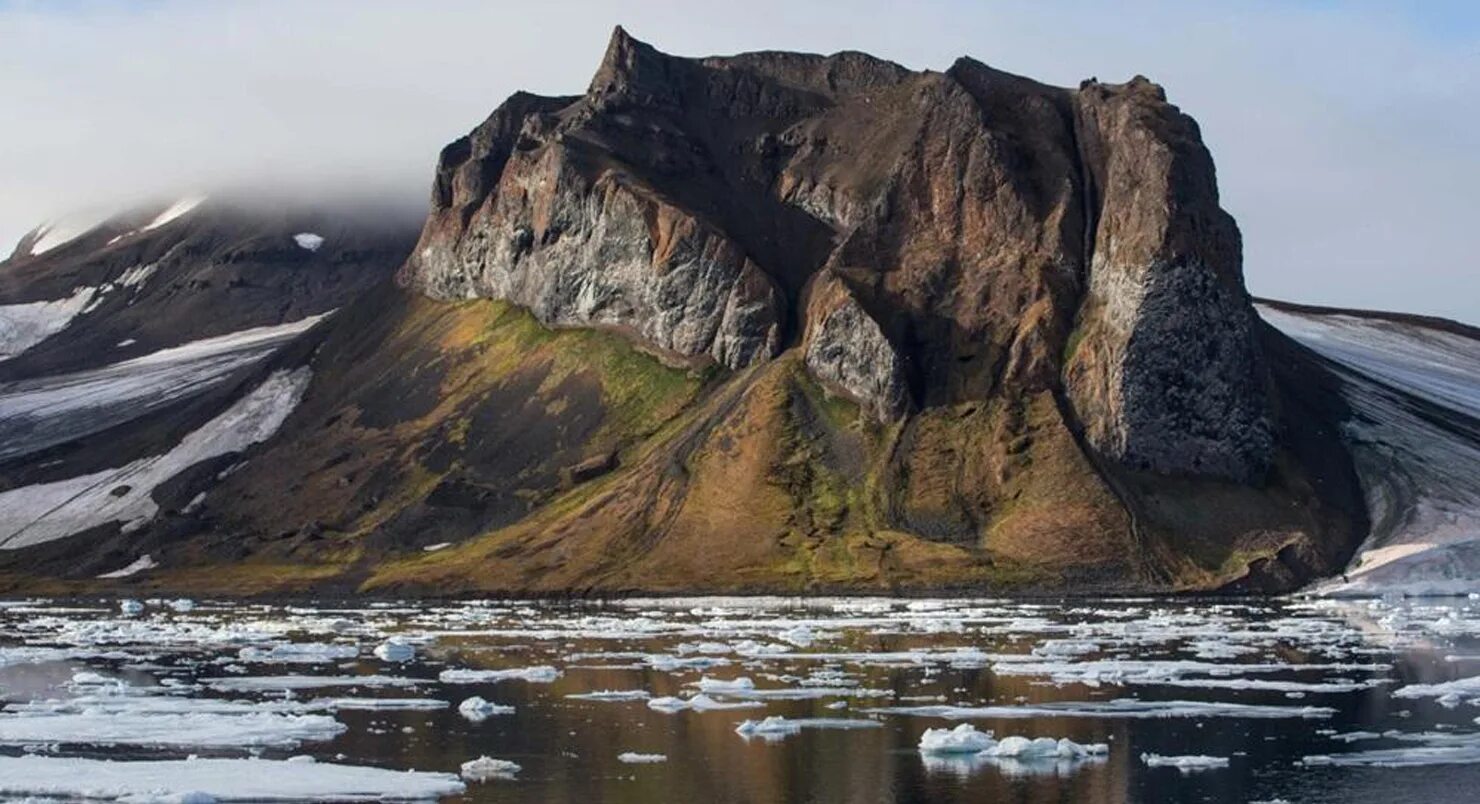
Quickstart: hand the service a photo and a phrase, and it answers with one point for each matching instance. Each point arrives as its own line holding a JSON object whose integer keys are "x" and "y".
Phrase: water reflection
{"x": 1262, "y": 685}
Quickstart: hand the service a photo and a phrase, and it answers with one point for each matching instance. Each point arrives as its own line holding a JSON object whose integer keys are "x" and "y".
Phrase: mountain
{"x": 1412, "y": 385}
{"x": 128, "y": 346}
{"x": 772, "y": 322}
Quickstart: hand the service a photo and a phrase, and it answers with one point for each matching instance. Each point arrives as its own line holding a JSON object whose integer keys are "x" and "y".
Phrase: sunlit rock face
{"x": 1167, "y": 374}
{"x": 971, "y": 225}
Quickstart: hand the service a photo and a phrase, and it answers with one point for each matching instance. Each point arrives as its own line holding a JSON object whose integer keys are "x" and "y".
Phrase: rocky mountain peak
{"x": 982, "y": 233}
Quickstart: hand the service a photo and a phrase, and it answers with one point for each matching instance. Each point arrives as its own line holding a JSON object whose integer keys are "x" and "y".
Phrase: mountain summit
{"x": 784, "y": 322}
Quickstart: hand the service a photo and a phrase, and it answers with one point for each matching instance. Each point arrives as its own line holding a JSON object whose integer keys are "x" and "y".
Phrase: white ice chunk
{"x": 634, "y": 758}
{"x": 220, "y": 779}
{"x": 611, "y": 695}
{"x": 1461, "y": 686}
{"x": 1185, "y": 764}
{"x": 298, "y": 653}
{"x": 698, "y": 703}
{"x": 476, "y": 709}
{"x": 395, "y": 649}
{"x": 964, "y": 739}
{"x": 194, "y": 730}
{"x": 1119, "y": 708}
{"x": 387, "y": 704}
{"x": 483, "y": 769}
{"x": 278, "y": 683}
{"x": 543, "y": 674}
{"x": 776, "y": 726}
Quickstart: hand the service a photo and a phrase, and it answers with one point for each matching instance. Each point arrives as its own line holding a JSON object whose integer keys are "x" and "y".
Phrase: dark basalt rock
{"x": 971, "y": 226}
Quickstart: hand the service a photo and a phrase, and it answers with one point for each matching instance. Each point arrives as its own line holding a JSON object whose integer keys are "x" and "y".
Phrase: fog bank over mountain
{"x": 1344, "y": 136}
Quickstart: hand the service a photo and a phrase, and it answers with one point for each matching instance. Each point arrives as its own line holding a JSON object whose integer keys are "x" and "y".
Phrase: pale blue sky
{"x": 1346, "y": 133}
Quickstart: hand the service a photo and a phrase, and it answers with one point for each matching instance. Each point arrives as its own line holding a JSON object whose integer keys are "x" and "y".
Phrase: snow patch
{"x": 36, "y": 514}
{"x": 143, "y": 562}
{"x": 66, "y": 229}
{"x": 174, "y": 211}
{"x": 22, "y": 326}
{"x": 308, "y": 241}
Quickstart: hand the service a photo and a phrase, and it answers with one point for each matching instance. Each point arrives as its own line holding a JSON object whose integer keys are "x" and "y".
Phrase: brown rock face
{"x": 969, "y": 226}
{"x": 1166, "y": 373}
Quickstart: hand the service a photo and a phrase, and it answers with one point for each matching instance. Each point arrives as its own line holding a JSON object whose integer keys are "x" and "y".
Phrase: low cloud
{"x": 1344, "y": 134}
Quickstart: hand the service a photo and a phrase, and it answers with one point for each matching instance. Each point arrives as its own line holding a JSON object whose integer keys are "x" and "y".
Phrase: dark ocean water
{"x": 1306, "y": 701}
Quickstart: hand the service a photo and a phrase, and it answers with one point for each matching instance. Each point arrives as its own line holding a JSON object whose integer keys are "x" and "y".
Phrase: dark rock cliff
{"x": 966, "y": 228}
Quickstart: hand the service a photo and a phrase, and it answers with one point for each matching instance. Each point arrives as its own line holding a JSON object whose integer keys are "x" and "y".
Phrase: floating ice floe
{"x": 743, "y": 687}
{"x": 1185, "y": 764}
{"x": 634, "y": 758}
{"x": 200, "y": 780}
{"x": 298, "y": 653}
{"x": 192, "y": 730}
{"x": 776, "y": 726}
{"x": 1045, "y": 748}
{"x": 735, "y": 686}
{"x": 611, "y": 695}
{"x": 698, "y": 703}
{"x": 963, "y": 739}
{"x": 278, "y": 683}
{"x": 1119, "y": 708}
{"x": 130, "y": 606}
{"x": 1435, "y": 749}
{"x": 182, "y": 605}
{"x": 542, "y": 674}
{"x": 387, "y": 704}
{"x": 484, "y": 769}
{"x": 1458, "y": 687}
{"x": 476, "y": 709}
{"x": 395, "y": 649}
{"x": 1267, "y": 685}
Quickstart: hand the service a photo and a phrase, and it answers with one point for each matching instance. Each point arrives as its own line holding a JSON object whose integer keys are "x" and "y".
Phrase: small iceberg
{"x": 964, "y": 739}
{"x": 1185, "y": 764}
{"x": 484, "y": 769}
{"x": 395, "y": 649}
{"x": 633, "y": 758}
{"x": 477, "y": 710}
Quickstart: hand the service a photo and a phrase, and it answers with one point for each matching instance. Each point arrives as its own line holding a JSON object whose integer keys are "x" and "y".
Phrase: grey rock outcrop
{"x": 1165, "y": 372}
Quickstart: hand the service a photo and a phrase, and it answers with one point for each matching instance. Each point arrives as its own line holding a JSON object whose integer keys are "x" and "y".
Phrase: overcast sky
{"x": 1347, "y": 134}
